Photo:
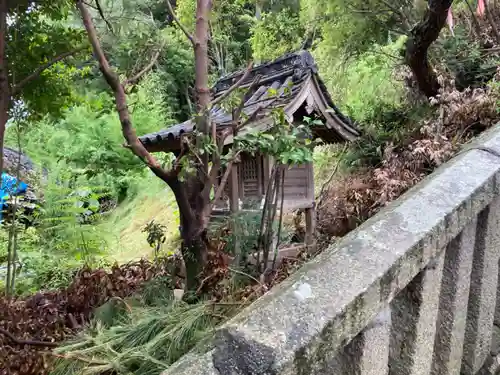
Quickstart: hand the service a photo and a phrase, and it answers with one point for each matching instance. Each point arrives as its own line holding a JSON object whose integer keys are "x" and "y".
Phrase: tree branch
{"x": 133, "y": 80}
{"x": 233, "y": 87}
{"x": 224, "y": 179}
{"x": 419, "y": 41}
{"x": 178, "y": 22}
{"x": 254, "y": 115}
{"x": 16, "y": 89}
{"x": 16, "y": 341}
{"x": 236, "y": 115}
{"x": 491, "y": 21}
{"x": 101, "y": 13}
{"x": 404, "y": 19}
{"x": 477, "y": 26}
{"x": 201, "y": 63}
{"x": 216, "y": 162}
{"x": 169, "y": 177}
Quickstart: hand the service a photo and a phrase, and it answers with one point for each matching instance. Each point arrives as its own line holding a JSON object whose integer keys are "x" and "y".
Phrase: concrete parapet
{"x": 411, "y": 291}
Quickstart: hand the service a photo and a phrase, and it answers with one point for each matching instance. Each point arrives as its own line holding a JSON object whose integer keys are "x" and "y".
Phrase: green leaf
{"x": 268, "y": 136}
{"x": 94, "y": 204}
{"x": 272, "y": 92}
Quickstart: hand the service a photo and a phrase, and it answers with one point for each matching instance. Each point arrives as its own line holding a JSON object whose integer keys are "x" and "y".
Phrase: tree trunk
{"x": 258, "y": 17}
{"x": 192, "y": 230}
{"x": 201, "y": 60}
{"x": 419, "y": 41}
{"x": 201, "y": 64}
{"x": 4, "y": 83}
{"x": 189, "y": 201}
{"x": 194, "y": 253}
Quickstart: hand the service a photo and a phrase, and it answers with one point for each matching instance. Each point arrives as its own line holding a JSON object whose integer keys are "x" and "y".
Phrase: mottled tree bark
{"x": 419, "y": 41}
{"x": 201, "y": 60}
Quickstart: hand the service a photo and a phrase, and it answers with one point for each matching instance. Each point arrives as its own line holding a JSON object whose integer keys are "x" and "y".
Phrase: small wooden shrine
{"x": 297, "y": 89}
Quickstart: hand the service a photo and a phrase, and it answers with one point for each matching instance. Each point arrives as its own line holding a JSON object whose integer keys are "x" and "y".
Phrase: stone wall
{"x": 411, "y": 291}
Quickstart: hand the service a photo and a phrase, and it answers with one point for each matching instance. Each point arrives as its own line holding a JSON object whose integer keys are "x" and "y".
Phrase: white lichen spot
{"x": 303, "y": 292}
{"x": 383, "y": 317}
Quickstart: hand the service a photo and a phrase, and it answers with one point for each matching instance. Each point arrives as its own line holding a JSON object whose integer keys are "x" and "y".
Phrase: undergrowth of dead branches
{"x": 51, "y": 317}
{"x": 457, "y": 117}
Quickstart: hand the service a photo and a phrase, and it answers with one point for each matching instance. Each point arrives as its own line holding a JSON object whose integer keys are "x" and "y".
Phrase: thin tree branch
{"x": 477, "y": 26}
{"x": 330, "y": 178}
{"x": 16, "y": 341}
{"x": 233, "y": 87}
{"x": 405, "y": 20}
{"x": 16, "y": 89}
{"x": 244, "y": 99}
{"x": 226, "y": 133}
{"x": 79, "y": 358}
{"x": 5, "y": 95}
{"x": 280, "y": 223}
{"x": 178, "y": 22}
{"x": 224, "y": 179}
{"x": 255, "y": 114}
{"x": 90, "y": 5}
{"x": 491, "y": 20}
{"x": 133, "y": 80}
{"x": 170, "y": 177}
{"x": 101, "y": 13}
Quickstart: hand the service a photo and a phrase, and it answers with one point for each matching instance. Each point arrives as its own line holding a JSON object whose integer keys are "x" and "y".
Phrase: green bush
{"x": 276, "y": 34}
{"x": 388, "y": 125}
{"x": 465, "y": 59}
{"x": 63, "y": 237}
{"x": 362, "y": 87}
{"x": 89, "y": 140}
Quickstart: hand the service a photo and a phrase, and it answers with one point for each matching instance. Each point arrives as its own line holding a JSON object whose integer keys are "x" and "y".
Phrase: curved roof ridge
{"x": 301, "y": 59}
{"x": 284, "y": 82}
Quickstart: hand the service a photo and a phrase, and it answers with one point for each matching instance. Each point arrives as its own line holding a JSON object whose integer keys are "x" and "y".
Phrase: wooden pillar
{"x": 234, "y": 184}
{"x": 260, "y": 174}
{"x": 310, "y": 181}
{"x": 266, "y": 171}
{"x": 310, "y": 214}
{"x": 235, "y": 206}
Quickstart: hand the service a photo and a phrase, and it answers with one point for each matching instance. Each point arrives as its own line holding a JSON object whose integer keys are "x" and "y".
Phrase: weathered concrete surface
{"x": 448, "y": 346}
{"x": 304, "y": 325}
{"x": 414, "y": 317}
{"x": 483, "y": 289}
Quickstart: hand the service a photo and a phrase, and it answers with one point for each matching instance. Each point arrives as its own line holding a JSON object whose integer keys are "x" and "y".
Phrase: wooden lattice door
{"x": 251, "y": 177}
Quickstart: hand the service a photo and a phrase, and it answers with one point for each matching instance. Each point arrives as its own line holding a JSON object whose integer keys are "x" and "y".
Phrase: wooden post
{"x": 310, "y": 181}
{"x": 266, "y": 171}
{"x": 260, "y": 181}
{"x": 234, "y": 200}
{"x": 310, "y": 212}
{"x": 310, "y": 225}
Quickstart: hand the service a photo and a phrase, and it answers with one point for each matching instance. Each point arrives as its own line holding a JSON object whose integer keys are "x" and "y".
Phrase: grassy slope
{"x": 124, "y": 226}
